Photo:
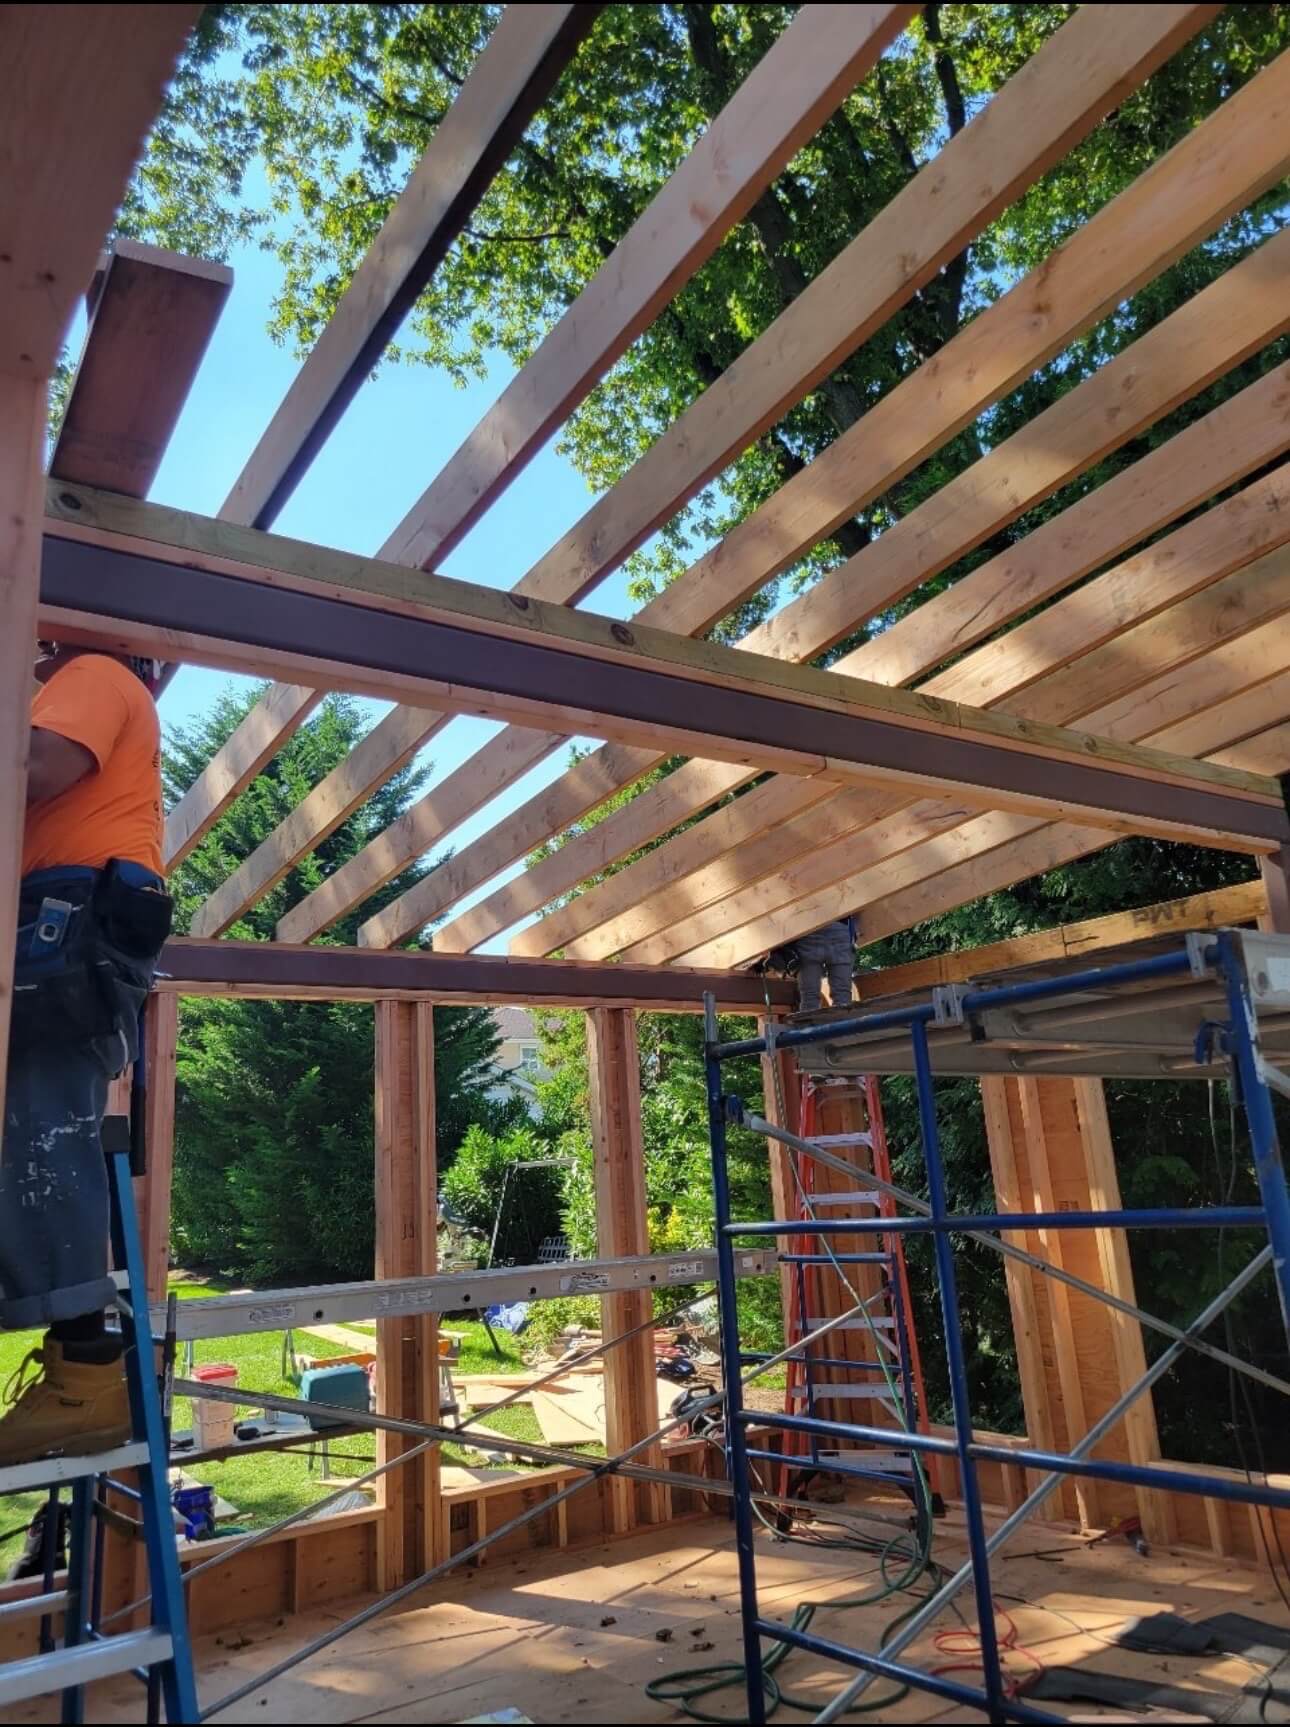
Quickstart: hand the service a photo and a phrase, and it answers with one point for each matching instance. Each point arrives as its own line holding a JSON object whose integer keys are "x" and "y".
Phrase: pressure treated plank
{"x": 507, "y": 84}
{"x": 1044, "y": 109}
{"x": 1224, "y": 906}
{"x": 811, "y": 69}
{"x": 22, "y": 448}
{"x": 152, "y": 318}
{"x": 1233, "y": 440}
{"x": 82, "y": 86}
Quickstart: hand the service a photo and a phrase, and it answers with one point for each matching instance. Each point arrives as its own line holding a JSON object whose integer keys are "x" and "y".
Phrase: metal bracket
{"x": 1200, "y": 951}
{"x": 947, "y": 1003}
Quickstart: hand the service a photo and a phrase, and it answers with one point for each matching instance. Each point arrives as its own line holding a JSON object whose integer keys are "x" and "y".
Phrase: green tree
{"x": 274, "y": 1108}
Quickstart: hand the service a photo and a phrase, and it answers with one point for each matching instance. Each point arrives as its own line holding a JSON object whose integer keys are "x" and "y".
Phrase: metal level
{"x": 51, "y": 1471}
{"x": 454, "y": 1292}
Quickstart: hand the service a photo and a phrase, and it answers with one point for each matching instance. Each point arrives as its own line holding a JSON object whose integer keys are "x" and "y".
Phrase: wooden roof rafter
{"x": 1054, "y": 100}
{"x": 1183, "y": 197}
{"x": 818, "y": 60}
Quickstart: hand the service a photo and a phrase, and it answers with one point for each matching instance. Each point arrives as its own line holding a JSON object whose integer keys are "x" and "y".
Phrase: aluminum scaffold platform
{"x": 1206, "y": 1006}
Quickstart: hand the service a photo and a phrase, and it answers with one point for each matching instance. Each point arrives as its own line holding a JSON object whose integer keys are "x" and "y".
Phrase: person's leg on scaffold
{"x": 93, "y": 915}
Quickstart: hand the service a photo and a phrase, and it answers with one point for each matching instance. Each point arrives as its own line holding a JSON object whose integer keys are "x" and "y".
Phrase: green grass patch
{"x": 268, "y": 1485}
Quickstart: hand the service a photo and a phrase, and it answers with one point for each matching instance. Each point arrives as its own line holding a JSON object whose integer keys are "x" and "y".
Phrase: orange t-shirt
{"x": 113, "y": 813}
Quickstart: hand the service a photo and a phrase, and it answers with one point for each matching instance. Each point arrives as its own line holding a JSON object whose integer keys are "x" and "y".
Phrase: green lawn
{"x": 268, "y": 1485}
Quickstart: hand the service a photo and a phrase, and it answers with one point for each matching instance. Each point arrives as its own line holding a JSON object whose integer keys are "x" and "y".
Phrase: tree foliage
{"x": 274, "y": 1123}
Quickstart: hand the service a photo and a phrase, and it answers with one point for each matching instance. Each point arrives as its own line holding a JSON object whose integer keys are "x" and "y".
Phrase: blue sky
{"x": 397, "y": 433}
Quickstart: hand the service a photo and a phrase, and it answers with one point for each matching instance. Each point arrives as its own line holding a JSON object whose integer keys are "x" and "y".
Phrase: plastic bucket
{"x": 213, "y": 1423}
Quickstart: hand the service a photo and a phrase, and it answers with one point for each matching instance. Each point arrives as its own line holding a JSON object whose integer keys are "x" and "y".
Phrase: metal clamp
{"x": 947, "y": 1003}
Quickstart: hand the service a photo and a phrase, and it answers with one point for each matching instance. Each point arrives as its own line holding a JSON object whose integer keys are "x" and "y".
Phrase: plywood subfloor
{"x": 530, "y": 1633}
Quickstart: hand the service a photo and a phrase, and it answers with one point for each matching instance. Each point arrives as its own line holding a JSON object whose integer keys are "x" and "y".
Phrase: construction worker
{"x": 93, "y": 915}
{"x": 831, "y": 950}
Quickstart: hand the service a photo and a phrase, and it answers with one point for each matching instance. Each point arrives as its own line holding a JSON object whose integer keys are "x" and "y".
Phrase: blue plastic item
{"x": 344, "y": 1387}
{"x": 196, "y": 1505}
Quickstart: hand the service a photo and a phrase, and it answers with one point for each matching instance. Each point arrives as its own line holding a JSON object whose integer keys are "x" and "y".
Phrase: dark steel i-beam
{"x": 548, "y": 678}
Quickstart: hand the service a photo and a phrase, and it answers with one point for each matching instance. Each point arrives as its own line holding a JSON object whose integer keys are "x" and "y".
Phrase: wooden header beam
{"x": 246, "y": 602}
{"x": 277, "y": 971}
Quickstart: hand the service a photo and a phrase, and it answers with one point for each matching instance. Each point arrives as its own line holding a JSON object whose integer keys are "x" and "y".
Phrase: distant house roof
{"x": 514, "y": 1022}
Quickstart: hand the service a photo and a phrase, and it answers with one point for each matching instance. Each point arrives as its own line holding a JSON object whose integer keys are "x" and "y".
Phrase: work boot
{"x": 70, "y": 1409}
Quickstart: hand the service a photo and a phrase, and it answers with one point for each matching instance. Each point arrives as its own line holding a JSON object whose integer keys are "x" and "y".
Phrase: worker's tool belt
{"x": 88, "y": 942}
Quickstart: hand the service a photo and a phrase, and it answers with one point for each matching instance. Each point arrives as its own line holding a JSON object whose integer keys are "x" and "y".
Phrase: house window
{"x": 529, "y": 1057}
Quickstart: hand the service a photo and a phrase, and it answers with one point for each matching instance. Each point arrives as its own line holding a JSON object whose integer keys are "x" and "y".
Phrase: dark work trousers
{"x": 825, "y": 950}
{"x": 53, "y": 1176}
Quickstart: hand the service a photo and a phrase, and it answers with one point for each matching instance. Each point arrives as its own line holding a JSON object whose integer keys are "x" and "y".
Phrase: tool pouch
{"x": 93, "y": 980}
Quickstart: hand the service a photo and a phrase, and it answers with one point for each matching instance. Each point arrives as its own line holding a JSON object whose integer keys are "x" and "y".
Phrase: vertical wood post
{"x": 622, "y": 1228}
{"x": 1275, "y": 871}
{"x": 152, "y": 1189}
{"x": 1050, "y": 1150}
{"x": 22, "y": 508}
{"x": 781, "y": 1080}
{"x": 411, "y": 1537}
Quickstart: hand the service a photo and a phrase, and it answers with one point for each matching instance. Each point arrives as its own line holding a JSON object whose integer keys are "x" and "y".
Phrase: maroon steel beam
{"x": 546, "y": 679}
{"x": 280, "y": 970}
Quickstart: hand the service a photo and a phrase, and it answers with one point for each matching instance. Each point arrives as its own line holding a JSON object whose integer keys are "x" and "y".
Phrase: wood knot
{"x": 622, "y": 634}
{"x": 519, "y": 601}
{"x": 69, "y": 500}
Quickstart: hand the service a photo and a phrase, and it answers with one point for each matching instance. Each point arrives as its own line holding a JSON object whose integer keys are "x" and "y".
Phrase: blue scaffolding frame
{"x": 1236, "y": 1038}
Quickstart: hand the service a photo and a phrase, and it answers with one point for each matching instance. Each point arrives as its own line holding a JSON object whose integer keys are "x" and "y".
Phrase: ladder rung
{"x": 890, "y": 1462}
{"x": 841, "y": 1139}
{"x": 33, "y": 1606}
{"x": 38, "y": 1675}
{"x": 878, "y": 1322}
{"x": 822, "y": 1393}
{"x": 861, "y": 1198}
{"x": 50, "y": 1471}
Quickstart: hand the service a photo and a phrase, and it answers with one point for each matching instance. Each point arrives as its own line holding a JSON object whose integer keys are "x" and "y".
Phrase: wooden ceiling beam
{"x": 1184, "y": 352}
{"x": 1236, "y": 438}
{"x": 888, "y": 888}
{"x": 811, "y": 68}
{"x": 508, "y": 83}
{"x": 1054, "y": 100}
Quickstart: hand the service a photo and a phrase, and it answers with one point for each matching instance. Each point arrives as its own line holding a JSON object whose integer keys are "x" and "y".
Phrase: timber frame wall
{"x": 932, "y": 765}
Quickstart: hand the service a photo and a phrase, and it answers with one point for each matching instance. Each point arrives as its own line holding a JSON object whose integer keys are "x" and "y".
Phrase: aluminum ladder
{"x": 160, "y": 1653}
